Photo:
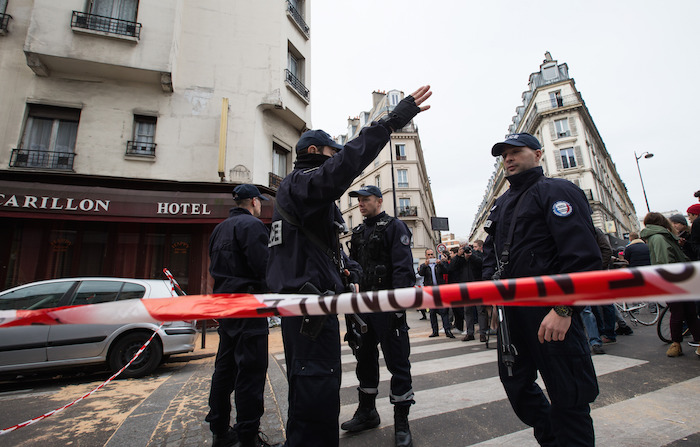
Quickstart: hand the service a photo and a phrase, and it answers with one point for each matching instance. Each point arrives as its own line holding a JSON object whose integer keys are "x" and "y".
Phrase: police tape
{"x": 669, "y": 282}
{"x": 84, "y": 396}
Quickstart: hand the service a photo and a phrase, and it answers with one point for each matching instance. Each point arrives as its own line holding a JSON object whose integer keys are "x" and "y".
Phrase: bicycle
{"x": 645, "y": 314}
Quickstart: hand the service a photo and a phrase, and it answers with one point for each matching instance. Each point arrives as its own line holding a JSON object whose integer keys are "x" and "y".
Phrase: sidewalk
{"x": 173, "y": 415}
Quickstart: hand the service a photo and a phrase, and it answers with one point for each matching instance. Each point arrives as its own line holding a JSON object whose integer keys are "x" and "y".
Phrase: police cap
{"x": 516, "y": 139}
{"x": 369, "y": 190}
{"x": 316, "y": 138}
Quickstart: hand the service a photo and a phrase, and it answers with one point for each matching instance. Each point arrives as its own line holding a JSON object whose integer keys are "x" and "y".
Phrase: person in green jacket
{"x": 664, "y": 248}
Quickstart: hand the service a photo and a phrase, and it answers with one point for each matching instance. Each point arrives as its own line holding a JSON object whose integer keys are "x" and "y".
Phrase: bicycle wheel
{"x": 663, "y": 327}
{"x": 645, "y": 313}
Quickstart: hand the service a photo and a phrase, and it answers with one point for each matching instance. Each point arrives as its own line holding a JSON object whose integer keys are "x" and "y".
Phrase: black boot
{"x": 229, "y": 438}
{"x": 366, "y": 416}
{"x": 258, "y": 440}
{"x": 402, "y": 433}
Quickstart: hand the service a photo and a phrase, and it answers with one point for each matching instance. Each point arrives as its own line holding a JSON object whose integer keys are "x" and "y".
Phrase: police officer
{"x": 304, "y": 257}
{"x": 238, "y": 257}
{"x": 553, "y": 234}
{"x": 382, "y": 247}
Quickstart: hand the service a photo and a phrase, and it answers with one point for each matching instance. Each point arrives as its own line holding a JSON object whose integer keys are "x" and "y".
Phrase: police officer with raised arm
{"x": 305, "y": 256}
{"x": 238, "y": 258}
{"x": 552, "y": 234}
{"x": 382, "y": 247}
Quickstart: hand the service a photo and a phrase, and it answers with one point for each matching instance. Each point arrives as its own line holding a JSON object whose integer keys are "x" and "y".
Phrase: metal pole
{"x": 393, "y": 184}
{"x": 642, "y": 181}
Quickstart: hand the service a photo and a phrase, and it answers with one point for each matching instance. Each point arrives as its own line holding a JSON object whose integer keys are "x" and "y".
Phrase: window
{"x": 351, "y": 130}
{"x": 144, "y": 136}
{"x": 400, "y": 151}
{"x": 568, "y": 159}
{"x": 116, "y": 9}
{"x": 394, "y": 98}
{"x": 402, "y": 177}
{"x": 562, "y": 128}
{"x": 350, "y": 221}
{"x": 295, "y": 72}
{"x": 556, "y": 99}
{"x": 109, "y": 16}
{"x": 349, "y": 201}
{"x": 404, "y": 203}
{"x": 378, "y": 182}
{"x": 49, "y": 137}
{"x": 40, "y": 296}
{"x": 279, "y": 160}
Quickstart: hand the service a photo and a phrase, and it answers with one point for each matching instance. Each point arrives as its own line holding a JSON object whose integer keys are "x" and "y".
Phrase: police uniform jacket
{"x": 309, "y": 193}
{"x": 238, "y": 252}
{"x": 553, "y": 234}
{"x": 395, "y": 250}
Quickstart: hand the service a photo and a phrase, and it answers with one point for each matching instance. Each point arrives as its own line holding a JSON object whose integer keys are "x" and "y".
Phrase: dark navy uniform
{"x": 554, "y": 234}
{"x": 308, "y": 194}
{"x": 382, "y": 246}
{"x": 238, "y": 252}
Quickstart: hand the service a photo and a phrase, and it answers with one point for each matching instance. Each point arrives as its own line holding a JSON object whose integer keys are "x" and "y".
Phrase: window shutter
{"x": 552, "y": 130}
{"x": 557, "y": 159}
{"x": 578, "y": 155}
{"x": 572, "y": 126}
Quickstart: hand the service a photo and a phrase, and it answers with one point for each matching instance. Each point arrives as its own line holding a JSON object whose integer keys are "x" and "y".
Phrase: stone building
{"x": 126, "y": 125}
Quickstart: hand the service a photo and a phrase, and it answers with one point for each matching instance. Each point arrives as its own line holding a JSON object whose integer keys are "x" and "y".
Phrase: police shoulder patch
{"x": 405, "y": 239}
{"x": 562, "y": 208}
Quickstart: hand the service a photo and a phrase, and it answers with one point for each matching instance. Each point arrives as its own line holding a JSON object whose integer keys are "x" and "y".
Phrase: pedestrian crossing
{"x": 455, "y": 380}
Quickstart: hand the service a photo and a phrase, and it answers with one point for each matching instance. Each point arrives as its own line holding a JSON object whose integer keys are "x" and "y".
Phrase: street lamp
{"x": 645, "y": 155}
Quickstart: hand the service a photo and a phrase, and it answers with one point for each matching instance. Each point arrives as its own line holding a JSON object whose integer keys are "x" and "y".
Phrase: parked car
{"x": 38, "y": 347}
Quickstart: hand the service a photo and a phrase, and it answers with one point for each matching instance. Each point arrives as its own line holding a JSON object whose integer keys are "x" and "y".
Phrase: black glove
{"x": 402, "y": 114}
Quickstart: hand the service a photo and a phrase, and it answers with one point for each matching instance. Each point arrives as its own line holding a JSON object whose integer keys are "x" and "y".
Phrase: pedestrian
{"x": 433, "y": 274}
{"x": 304, "y": 257}
{"x": 238, "y": 258}
{"x": 382, "y": 247}
{"x": 680, "y": 225}
{"x": 664, "y": 249}
{"x": 693, "y": 213}
{"x": 543, "y": 226}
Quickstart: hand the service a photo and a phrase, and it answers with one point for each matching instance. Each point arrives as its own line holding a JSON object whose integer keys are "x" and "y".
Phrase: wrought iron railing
{"x": 4, "y": 21}
{"x": 25, "y": 158}
{"x": 274, "y": 181}
{"x": 296, "y": 84}
{"x": 408, "y": 211}
{"x": 400, "y": 157}
{"x": 555, "y": 103}
{"x": 104, "y": 24}
{"x": 298, "y": 18}
{"x": 140, "y": 148}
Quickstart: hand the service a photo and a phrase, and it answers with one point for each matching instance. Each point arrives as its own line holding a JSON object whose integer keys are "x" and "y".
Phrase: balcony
{"x": 296, "y": 84}
{"x": 4, "y": 21}
{"x": 298, "y": 19}
{"x": 408, "y": 211}
{"x": 274, "y": 181}
{"x": 106, "y": 25}
{"x": 400, "y": 157}
{"x": 25, "y": 158}
{"x": 141, "y": 148}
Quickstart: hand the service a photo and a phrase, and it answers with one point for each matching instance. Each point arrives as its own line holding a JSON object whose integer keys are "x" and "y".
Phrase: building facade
{"x": 554, "y": 112}
{"x": 126, "y": 125}
{"x": 399, "y": 172}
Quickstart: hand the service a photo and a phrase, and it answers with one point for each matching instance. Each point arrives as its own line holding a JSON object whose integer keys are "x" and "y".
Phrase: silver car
{"x": 35, "y": 347}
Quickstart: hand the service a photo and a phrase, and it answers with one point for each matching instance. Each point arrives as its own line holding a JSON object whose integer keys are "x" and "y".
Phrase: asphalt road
{"x": 646, "y": 399}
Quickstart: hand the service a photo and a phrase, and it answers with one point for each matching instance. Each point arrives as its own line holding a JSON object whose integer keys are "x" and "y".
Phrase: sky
{"x": 635, "y": 63}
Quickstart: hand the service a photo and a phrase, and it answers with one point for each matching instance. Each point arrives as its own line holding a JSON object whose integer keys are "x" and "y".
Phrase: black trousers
{"x": 391, "y": 332}
{"x": 567, "y": 371}
{"x": 313, "y": 372}
{"x": 444, "y": 314}
{"x": 241, "y": 365}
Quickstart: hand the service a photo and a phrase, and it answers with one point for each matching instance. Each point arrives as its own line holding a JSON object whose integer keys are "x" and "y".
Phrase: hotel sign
{"x": 96, "y": 203}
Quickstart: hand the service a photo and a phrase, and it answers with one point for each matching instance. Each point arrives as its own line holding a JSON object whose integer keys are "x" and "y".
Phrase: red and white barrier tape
{"x": 670, "y": 282}
{"x": 84, "y": 396}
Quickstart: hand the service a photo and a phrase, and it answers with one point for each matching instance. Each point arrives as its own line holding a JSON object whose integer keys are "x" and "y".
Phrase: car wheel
{"x": 124, "y": 349}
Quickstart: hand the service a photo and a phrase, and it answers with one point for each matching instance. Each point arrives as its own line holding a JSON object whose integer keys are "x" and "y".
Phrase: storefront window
{"x": 61, "y": 249}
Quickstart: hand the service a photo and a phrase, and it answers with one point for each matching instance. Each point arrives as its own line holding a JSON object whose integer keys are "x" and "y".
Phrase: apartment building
{"x": 399, "y": 171}
{"x": 554, "y": 111}
{"x": 126, "y": 124}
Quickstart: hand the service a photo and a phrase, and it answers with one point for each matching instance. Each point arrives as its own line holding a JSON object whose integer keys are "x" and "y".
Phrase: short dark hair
{"x": 697, "y": 193}
{"x": 659, "y": 219}
{"x": 244, "y": 203}
{"x": 634, "y": 236}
